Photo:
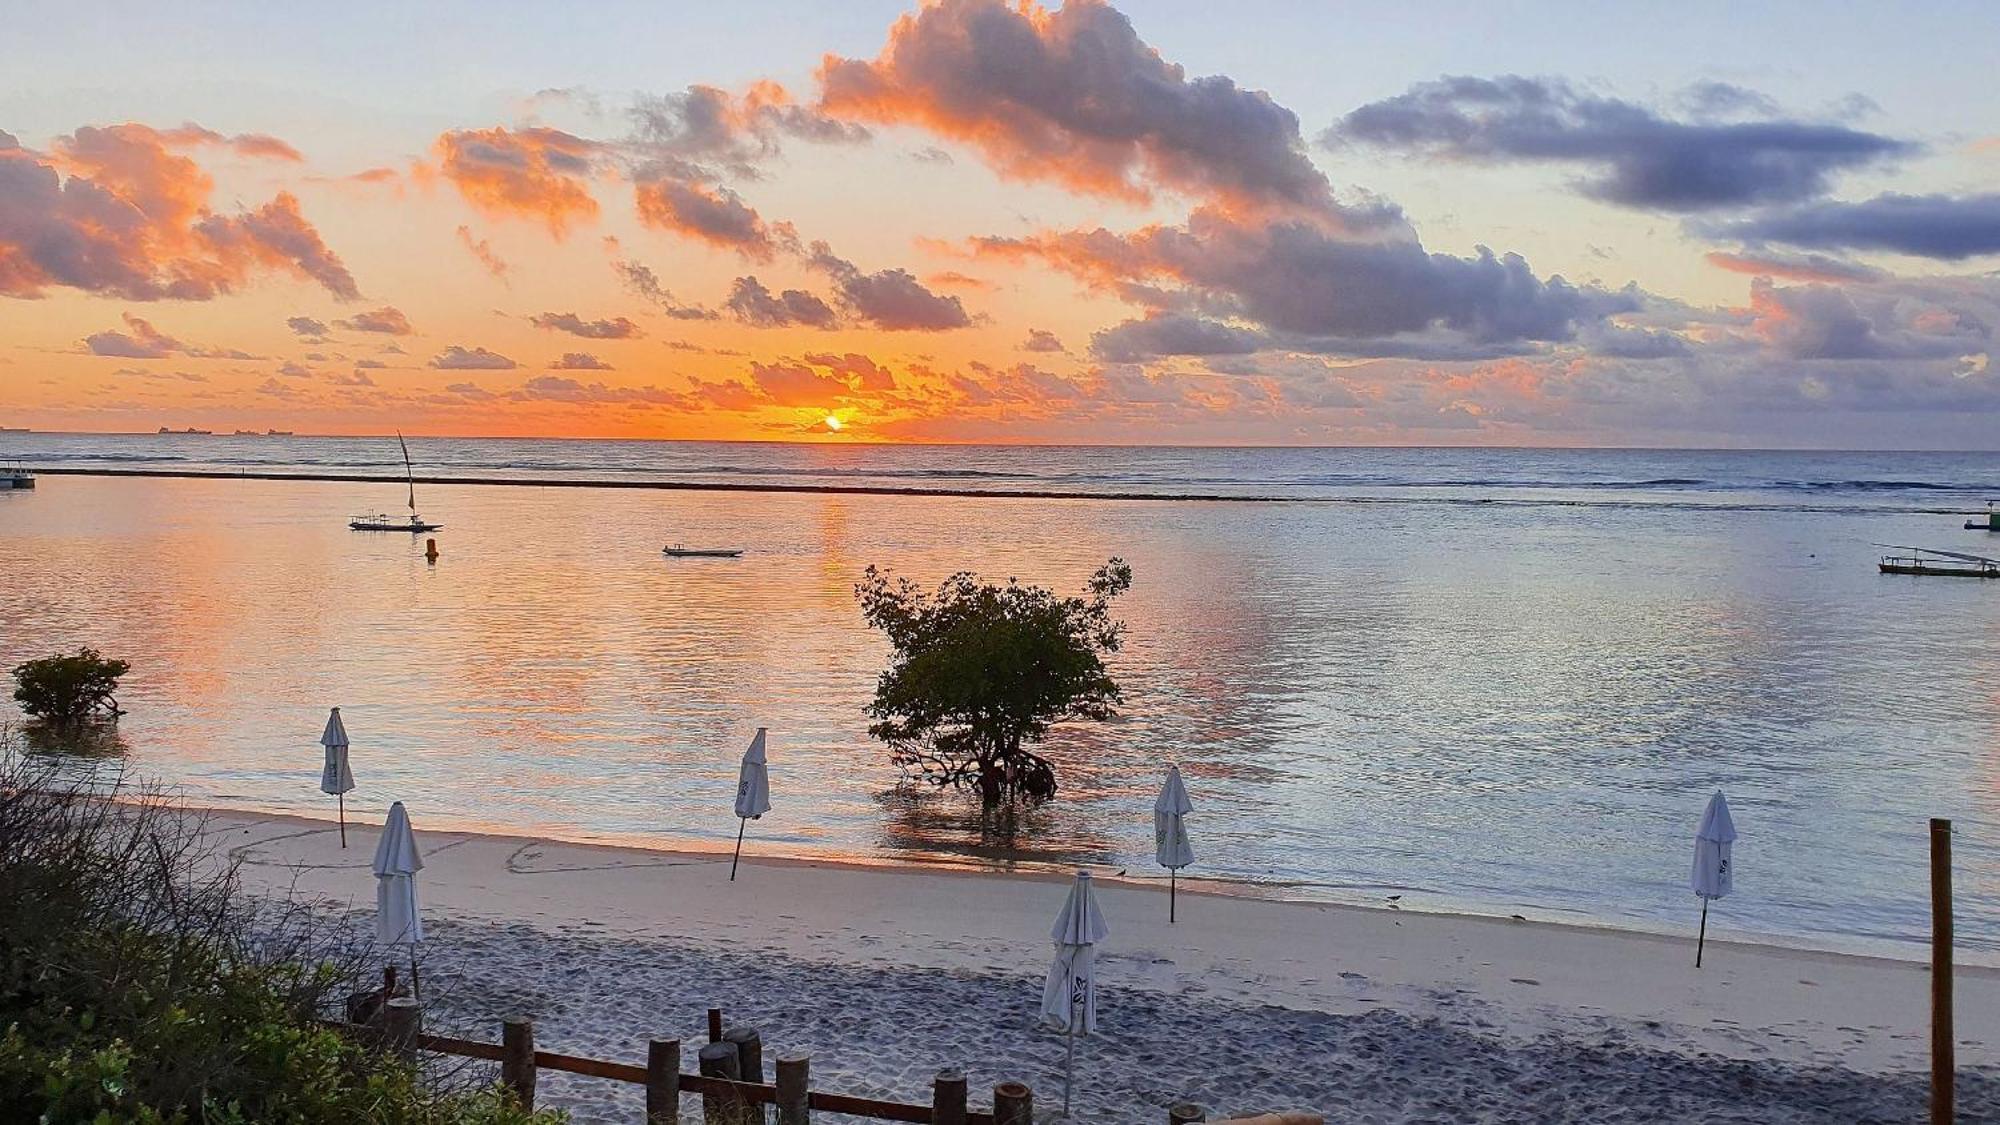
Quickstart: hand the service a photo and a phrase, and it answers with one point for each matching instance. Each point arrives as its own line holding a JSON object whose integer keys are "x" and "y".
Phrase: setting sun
{"x": 833, "y": 422}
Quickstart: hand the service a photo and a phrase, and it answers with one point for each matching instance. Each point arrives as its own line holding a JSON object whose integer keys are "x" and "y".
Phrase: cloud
{"x": 1947, "y": 227}
{"x": 931, "y": 154}
{"x": 579, "y": 361}
{"x": 1075, "y": 97}
{"x": 561, "y": 388}
{"x": 456, "y": 358}
{"x": 359, "y": 378}
{"x": 618, "y": 328}
{"x": 1162, "y": 334}
{"x": 715, "y": 215}
{"x": 306, "y": 326}
{"x": 796, "y": 384}
{"x": 892, "y": 299}
{"x": 750, "y": 302}
{"x": 471, "y": 392}
{"x": 256, "y": 145}
{"x": 1639, "y": 157}
{"x": 291, "y": 370}
{"x": 859, "y": 371}
{"x": 641, "y": 279}
{"x": 1825, "y": 322}
{"x": 115, "y": 211}
{"x": 1793, "y": 267}
{"x": 1323, "y": 291}
{"x": 1042, "y": 340}
{"x": 702, "y": 128}
{"x": 482, "y": 249}
{"x": 533, "y": 173}
{"x": 141, "y": 340}
{"x": 952, "y": 279}
{"x": 387, "y": 320}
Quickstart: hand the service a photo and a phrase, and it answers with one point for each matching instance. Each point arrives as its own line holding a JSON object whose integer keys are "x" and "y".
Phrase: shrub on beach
{"x": 981, "y": 672}
{"x": 64, "y": 690}
{"x": 138, "y": 984}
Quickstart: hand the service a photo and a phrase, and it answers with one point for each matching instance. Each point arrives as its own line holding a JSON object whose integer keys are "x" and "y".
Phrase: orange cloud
{"x": 113, "y": 210}
{"x": 536, "y": 173}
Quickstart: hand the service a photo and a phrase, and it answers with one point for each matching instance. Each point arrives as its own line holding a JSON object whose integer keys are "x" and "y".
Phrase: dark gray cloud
{"x": 616, "y": 328}
{"x": 387, "y": 320}
{"x": 1641, "y": 158}
{"x": 140, "y": 340}
{"x": 306, "y": 326}
{"x": 1164, "y": 334}
{"x": 1947, "y": 227}
{"x": 750, "y": 302}
{"x": 712, "y": 214}
{"x": 890, "y": 299}
{"x": 1763, "y": 262}
{"x": 456, "y": 358}
{"x": 641, "y": 280}
{"x": 561, "y": 388}
{"x": 579, "y": 361}
{"x": 1042, "y": 340}
{"x": 704, "y": 125}
{"x": 1888, "y": 322}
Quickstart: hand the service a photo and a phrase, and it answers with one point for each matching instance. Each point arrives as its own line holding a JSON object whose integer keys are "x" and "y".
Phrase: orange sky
{"x": 1004, "y": 223}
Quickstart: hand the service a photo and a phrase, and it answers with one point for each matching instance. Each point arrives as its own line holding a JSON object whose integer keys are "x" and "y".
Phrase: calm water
{"x": 1498, "y": 680}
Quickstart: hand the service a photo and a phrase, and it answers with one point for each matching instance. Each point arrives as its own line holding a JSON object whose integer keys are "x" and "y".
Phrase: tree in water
{"x": 981, "y": 672}
{"x": 64, "y": 690}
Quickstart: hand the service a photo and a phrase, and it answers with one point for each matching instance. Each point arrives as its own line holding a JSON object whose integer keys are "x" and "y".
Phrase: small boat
{"x": 1990, "y": 523}
{"x": 412, "y": 522}
{"x": 1936, "y": 563}
{"x": 15, "y": 475}
{"x": 676, "y": 551}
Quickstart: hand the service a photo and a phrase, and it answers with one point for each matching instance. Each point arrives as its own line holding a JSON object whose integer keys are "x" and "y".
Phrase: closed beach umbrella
{"x": 753, "y": 793}
{"x": 1069, "y": 998}
{"x": 1712, "y": 871}
{"x": 397, "y": 921}
{"x": 1170, "y": 838}
{"x": 335, "y": 779}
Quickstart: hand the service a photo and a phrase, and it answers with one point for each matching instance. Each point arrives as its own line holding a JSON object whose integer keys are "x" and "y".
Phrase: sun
{"x": 833, "y": 422}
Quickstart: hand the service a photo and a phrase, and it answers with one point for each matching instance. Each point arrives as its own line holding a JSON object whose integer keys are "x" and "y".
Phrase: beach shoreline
{"x": 1520, "y": 979}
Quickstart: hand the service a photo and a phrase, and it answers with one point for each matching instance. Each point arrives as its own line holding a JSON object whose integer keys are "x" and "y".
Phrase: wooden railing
{"x": 729, "y": 1079}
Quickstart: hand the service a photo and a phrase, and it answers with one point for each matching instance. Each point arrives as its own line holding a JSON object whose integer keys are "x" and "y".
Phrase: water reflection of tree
{"x": 918, "y": 819}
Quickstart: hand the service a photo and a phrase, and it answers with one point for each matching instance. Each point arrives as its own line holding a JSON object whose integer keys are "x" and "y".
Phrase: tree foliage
{"x": 981, "y": 672}
{"x": 64, "y": 690}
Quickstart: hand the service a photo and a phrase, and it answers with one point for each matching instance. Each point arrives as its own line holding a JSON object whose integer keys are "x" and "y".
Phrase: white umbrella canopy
{"x": 1069, "y": 997}
{"x": 1170, "y": 839}
{"x": 753, "y": 792}
{"x": 335, "y": 779}
{"x": 1714, "y": 873}
{"x": 397, "y": 921}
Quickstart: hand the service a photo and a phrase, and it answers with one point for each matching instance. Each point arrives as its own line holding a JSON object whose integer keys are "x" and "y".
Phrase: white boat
{"x": 413, "y": 522}
{"x": 16, "y": 475}
{"x": 676, "y": 551}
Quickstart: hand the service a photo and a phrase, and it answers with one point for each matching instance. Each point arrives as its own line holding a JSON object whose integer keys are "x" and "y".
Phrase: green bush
{"x": 65, "y": 690}
{"x": 138, "y": 984}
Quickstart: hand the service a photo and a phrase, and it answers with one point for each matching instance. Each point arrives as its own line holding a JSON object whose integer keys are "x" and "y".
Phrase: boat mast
{"x": 409, "y": 474}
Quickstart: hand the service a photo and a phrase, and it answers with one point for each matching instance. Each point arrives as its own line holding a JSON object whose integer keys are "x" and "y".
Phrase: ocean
{"x": 1503, "y": 681}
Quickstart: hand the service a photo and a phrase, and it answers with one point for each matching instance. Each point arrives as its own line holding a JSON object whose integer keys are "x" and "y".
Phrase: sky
{"x": 1687, "y": 224}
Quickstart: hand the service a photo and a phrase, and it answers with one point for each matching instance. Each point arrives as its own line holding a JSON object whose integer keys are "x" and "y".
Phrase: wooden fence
{"x": 729, "y": 1076}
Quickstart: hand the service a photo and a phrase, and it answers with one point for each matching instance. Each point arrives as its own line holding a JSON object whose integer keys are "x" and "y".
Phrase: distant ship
{"x": 189, "y": 430}
{"x": 254, "y": 433}
{"x": 15, "y": 430}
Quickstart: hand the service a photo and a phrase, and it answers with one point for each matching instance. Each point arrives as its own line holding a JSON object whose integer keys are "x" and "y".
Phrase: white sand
{"x": 1516, "y": 982}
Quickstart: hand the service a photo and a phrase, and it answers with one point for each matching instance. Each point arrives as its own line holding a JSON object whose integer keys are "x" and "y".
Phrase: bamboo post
{"x": 1943, "y": 1064}
{"x": 517, "y": 1059}
{"x": 402, "y": 1023}
{"x": 715, "y": 1025}
{"x": 1180, "y": 1113}
{"x": 663, "y": 1082}
{"x": 718, "y": 1060}
{"x": 794, "y": 1089}
{"x": 948, "y": 1095}
{"x": 1013, "y": 1104}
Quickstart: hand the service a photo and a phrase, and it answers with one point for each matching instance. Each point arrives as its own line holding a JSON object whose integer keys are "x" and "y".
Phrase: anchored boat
{"x": 1991, "y": 521}
{"x": 16, "y": 475}
{"x": 413, "y": 522}
{"x": 1937, "y": 563}
{"x": 676, "y": 551}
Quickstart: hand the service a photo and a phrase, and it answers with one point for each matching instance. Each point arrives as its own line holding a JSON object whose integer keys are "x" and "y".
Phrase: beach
{"x": 888, "y": 973}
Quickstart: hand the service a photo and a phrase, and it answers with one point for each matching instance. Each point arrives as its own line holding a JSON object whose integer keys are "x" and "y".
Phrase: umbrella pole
{"x": 416, "y": 990}
{"x": 1172, "y": 876}
{"x": 1069, "y": 1064}
{"x": 741, "y": 824}
{"x": 343, "y": 819}
{"x": 1703, "y": 939}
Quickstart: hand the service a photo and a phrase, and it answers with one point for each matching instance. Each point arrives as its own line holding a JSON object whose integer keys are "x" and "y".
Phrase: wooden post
{"x": 749, "y": 1052}
{"x": 1182, "y": 1112}
{"x": 1944, "y": 1065}
{"x": 715, "y": 1025}
{"x": 718, "y": 1060}
{"x": 402, "y": 1022}
{"x": 517, "y": 1059}
{"x": 1013, "y": 1104}
{"x": 794, "y": 1089}
{"x": 663, "y": 1082}
{"x": 948, "y": 1098}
